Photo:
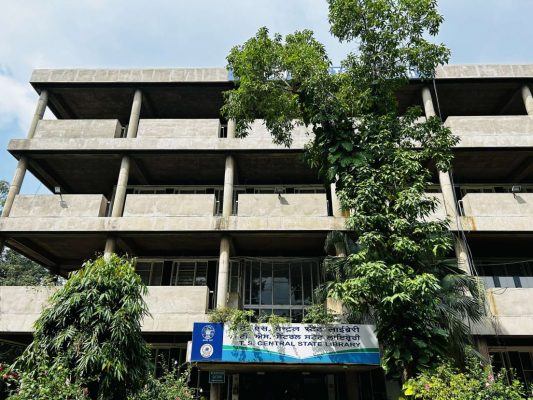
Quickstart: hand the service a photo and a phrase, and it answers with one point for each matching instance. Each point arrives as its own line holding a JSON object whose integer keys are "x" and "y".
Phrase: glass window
{"x": 296, "y": 284}
{"x": 189, "y": 273}
{"x": 307, "y": 274}
{"x": 266, "y": 283}
{"x": 281, "y": 288}
{"x": 151, "y": 272}
{"x": 256, "y": 282}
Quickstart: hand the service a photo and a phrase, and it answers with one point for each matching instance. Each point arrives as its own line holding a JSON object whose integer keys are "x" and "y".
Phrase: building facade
{"x": 141, "y": 162}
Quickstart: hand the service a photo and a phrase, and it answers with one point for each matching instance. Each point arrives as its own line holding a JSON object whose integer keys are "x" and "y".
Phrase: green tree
{"x": 15, "y": 269}
{"x": 377, "y": 154}
{"x": 474, "y": 383}
{"x": 92, "y": 328}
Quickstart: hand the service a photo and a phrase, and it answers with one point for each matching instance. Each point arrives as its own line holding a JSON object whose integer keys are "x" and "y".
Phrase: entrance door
{"x": 283, "y": 386}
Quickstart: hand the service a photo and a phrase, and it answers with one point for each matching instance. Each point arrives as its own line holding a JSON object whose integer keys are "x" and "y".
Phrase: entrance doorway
{"x": 287, "y": 386}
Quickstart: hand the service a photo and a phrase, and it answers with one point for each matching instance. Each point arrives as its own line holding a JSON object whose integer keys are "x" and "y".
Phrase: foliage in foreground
{"x": 475, "y": 383}
{"x": 379, "y": 156}
{"x": 171, "y": 386}
{"x": 52, "y": 382}
{"x": 92, "y": 329}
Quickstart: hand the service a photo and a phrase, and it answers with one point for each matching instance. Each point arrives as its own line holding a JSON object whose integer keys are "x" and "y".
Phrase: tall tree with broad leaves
{"x": 378, "y": 155}
{"x": 92, "y": 328}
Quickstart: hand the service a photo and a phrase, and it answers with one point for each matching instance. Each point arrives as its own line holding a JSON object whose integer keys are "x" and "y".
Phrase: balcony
{"x": 54, "y": 206}
{"x": 178, "y": 128}
{"x": 493, "y": 131}
{"x": 95, "y": 136}
{"x": 497, "y": 211}
{"x": 78, "y": 129}
{"x": 511, "y": 312}
{"x": 173, "y": 309}
{"x": 283, "y": 205}
{"x": 169, "y": 205}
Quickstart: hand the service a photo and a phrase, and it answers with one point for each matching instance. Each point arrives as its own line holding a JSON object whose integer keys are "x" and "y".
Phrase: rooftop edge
{"x": 177, "y": 75}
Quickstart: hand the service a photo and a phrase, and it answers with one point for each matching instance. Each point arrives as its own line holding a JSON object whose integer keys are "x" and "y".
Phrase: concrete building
{"x": 141, "y": 162}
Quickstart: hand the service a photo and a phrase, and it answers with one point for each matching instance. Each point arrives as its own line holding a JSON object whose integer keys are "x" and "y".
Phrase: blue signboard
{"x": 288, "y": 343}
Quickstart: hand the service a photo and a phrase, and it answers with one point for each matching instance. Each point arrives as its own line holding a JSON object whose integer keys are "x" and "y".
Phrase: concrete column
{"x": 122, "y": 184}
{"x": 428, "y": 102}
{"x": 15, "y": 186}
{"x": 124, "y": 173}
{"x": 135, "y": 114}
{"x": 528, "y": 99}
{"x": 231, "y": 128}
{"x": 22, "y": 165}
{"x": 444, "y": 177}
{"x": 229, "y": 174}
{"x": 109, "y": 248}
{"x": 223, "y": 272}
{"x": 448, "y": 194}
{"x": 39, "y": 113}
{"x": 335, "y": 204}
{"x": 462, "y": 256}
{"x": 214, "y": 391}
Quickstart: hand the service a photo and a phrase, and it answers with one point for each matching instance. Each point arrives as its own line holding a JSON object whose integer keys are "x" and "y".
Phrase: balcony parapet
{"x": 283, "y": 205}
{"x": 78, "y": 129}
{"x": 510, "y": 312}
{"x": 492, "y": 131}
{"x": 50, "y": 206}
{"x": 172, "y": 308}
{"x": 169, "y": 205}
{"x": 497, "y": 212}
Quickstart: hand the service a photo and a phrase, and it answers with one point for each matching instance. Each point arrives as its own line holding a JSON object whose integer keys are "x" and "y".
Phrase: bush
{"x": 53, "y": 383}
{"x": 171, "y": 386}
{"x": 475, "y": 383}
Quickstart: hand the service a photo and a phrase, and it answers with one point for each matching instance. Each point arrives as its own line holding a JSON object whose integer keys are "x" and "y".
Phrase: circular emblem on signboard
{"x": 206, "y": 351}
{"x": 208, "y": 332}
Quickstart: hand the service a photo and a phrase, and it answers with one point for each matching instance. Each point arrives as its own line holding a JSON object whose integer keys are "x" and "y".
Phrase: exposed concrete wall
{"x": 491, "y": 125}
{"x": 498, "y": 204}
{"x": 165, "y": 224}
{"x": 221, "y": 74}
{"x": 492, "y": 131}
{"x": 173, "y": 308}
{"x": 129, "y": 75}
{"x": 78, "y": 128}
{"x": 143, "y": 144}
{"x": 510, "y": 312}
{"x": 169, "y": 205}
{"x": 69, "y": 205}
{"x": 20, "y": 306}
{"x": 484, "y": 71}
{"x": 176, "y": 128}
{"x": 272, "y": 205}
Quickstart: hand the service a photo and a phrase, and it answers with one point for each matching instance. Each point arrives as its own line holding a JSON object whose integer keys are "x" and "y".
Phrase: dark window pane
{"x": 296, "y": 284}
{"x": 281, "y": 284}
{"x": 308, "y": 286}
{"x": 266, "y": 283}
{"x": 256, "y": 282}
{"x": 157, "y": 274}
{"x": 247, "y": 282}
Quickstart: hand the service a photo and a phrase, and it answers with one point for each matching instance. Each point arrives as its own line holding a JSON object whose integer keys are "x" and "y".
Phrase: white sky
{"x": 178, "y": 33}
